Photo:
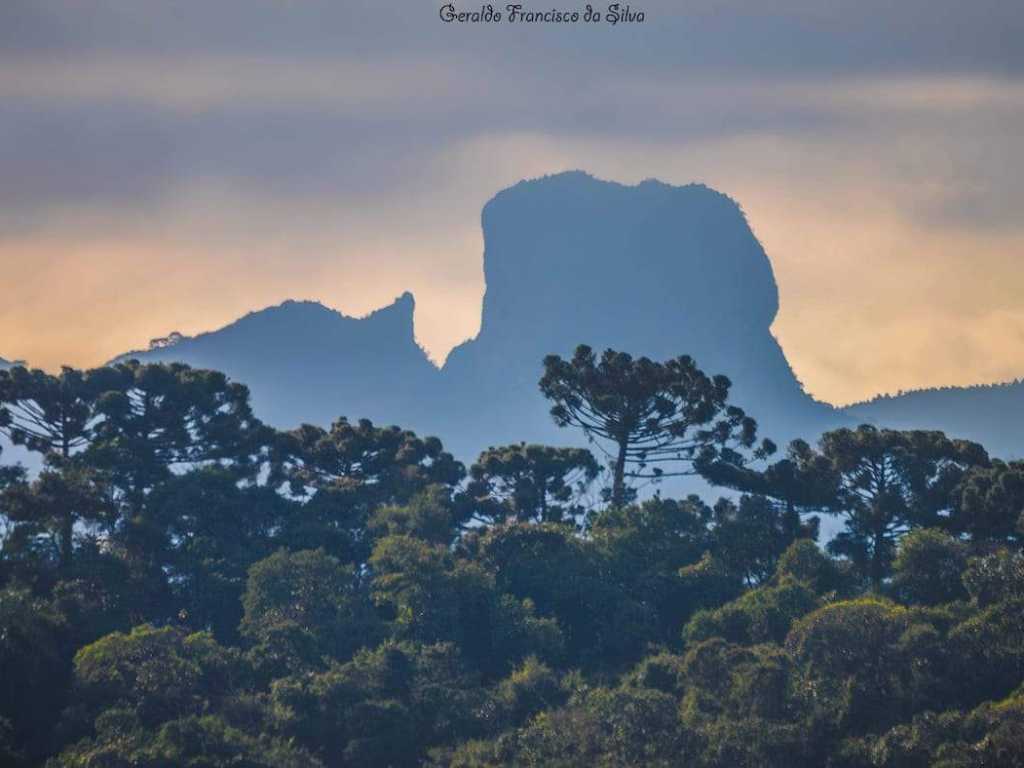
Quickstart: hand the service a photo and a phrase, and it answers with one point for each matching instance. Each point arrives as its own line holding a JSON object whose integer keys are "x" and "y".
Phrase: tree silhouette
{"x": 652, "y": 419}
{"x": 51, "y": 415}
{"x": 57, "y": 417}
{"x": 989, "y": 503}
{"x": 802, "y": 483}
{"x": 156, "y": 418}
{"x": 889, "y": 482}
{"x": 530, "y": 482}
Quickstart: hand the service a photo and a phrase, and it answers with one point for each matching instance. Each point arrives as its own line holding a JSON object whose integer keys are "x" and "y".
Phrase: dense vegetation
{"x": 181, "y": 585}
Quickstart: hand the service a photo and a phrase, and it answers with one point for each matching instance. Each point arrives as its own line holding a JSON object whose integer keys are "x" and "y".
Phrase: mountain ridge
{"x": 652, "y": 268}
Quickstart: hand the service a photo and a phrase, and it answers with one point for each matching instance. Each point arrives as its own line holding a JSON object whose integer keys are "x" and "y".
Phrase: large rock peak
{"x": 569, "y": 252}
{"x": 652, "y": 269}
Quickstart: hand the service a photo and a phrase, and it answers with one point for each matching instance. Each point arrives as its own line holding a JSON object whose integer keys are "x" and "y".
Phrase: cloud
{"x": 172, "y": 165}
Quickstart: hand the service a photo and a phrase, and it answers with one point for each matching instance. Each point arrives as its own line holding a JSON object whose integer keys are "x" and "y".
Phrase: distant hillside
{"x": 653, "y": 269}
{"x": 307, "y": 363}
{"x": 990, "y": 414}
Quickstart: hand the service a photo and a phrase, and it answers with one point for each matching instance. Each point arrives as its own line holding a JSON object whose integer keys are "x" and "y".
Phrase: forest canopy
{"x": 183, "y": 585}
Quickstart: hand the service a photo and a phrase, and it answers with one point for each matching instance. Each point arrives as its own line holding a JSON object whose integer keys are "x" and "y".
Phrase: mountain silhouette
{"x": 991, "y": 414}
{"x": 306, "y": 363}
{"x": 652, "y": 269}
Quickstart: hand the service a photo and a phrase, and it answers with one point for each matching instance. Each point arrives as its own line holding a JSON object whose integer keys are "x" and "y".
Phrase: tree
{"x": 158, "y": 674}
{"x": 855, "y": 665}
{"x": 805, "y": 562}
{"x": 643, "y": 546}
{"x": 762, "y": 615}
{"x": 302, "y": 608}
{"x": 34, "y": 669}
{"x": 383, "y": 707}
{"x": 647, "y": 416}
{"x": 929, "y": 567}
{"x": 370, "y": 465}
{"x": 208, "y": 530}
{"x": 348, "y": 472}
{"x": 988, "y": 504}
{"x": 751, "y": 535}
{"x": 802, "y": 483}
{"x": 889, "y": 482}
{"x": 434, "y": 597}
{"x": 51, "y": 415}
{"x": 600, "y": 727}
{"x": 57, "y": 417}
{"x": 206, "y": 740}
{"x": 530, "y": 482}
{"x": 605, "y": 621}
{"x": 161, "y": 417}
{"x": 51, "y": 506}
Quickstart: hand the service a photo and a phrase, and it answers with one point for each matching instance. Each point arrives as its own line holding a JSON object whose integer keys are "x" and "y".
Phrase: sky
{"x": 174, "y": 164}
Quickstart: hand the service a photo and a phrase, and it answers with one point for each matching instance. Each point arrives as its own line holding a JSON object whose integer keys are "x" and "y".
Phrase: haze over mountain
{"x": 307, "y": 363}
{"x": 992, "y": 415}
{"x": 653, "y": 269}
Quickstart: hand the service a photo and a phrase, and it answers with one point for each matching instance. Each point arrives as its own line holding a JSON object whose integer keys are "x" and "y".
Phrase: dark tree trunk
{"x": 67, "y": 523}
{"x": 877, "y": 570}
{"x": 619, "y": 476}
{"x": 67, "y": 528}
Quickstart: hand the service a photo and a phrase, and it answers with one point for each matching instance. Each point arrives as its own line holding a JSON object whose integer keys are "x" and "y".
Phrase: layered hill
{"x": 992, "y": 415}
{"x": 307, "y": 363}
{"x": 653, "y": 269}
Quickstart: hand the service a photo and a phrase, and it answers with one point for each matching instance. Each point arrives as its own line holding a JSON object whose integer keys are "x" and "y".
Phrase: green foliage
{"x": 564, "y": 577}
{"x": 601, "y": 727}
{"x": 302, "y": 608}
{"x": 749, "y": 537}
{"x": 988, "y": 504}
{"x": 645, "y": 546}
{"x": 46, "y": 511}
{"x": 657, "y": 419}
{"x": 156, "y": 674}
{"x": 430, "y": 515}
{"x": 989, "y": 650}
{"x": 531, "y": 688}
{"x": 803, "y": 561}
{"x": 530, "y": 483}
{"x": 888, "y": 482}
{"x": 929, "y": 567}
{"x": 189, "y": 742}
{"x": 353, "y": 472}
{"x": 34, "y": 671}
{"x": 709, "y": 582}
{"x": 434, "y": 597}
{"x": 181, "y": 585}
{"x": 865, "y": 664}
{"x": 51, "y": 415}
{"x": 762, "y": 615}
{"x": 381, "y": 708}
{"x": 994, "y": 577}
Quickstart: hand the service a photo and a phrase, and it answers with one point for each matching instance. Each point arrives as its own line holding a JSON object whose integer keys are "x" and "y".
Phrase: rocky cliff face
{"x": 653, "y": 269}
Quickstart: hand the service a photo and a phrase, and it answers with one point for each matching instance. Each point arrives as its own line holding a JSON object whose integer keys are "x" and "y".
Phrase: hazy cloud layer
{"x": 171, "y": 165}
